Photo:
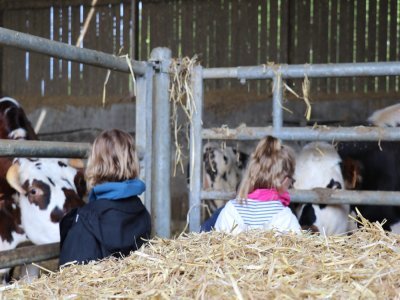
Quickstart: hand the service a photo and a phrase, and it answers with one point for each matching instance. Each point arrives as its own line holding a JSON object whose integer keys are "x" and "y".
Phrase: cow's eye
{"x": 32, "y": 191}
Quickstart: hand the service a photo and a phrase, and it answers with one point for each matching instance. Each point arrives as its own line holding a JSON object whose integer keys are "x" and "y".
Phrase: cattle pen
{"x": 277, "y": 73}
{"x": 153, "y": 123}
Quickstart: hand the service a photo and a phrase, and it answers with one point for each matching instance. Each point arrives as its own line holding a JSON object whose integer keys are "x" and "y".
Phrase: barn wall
{"x": 38, "y": 80}
{"x": 227, "y": 33}
{"x": 223, "y": 33}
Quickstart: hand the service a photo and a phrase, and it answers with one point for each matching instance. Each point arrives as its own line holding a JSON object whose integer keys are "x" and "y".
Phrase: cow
{"x": 222, "y": 169}
{"x": 386, "y": 117}
{"x": 375, "y": 166}
{"x": 47, "y": 189}
{"x": 35, "y": 193}
{"x": 318, "y": 166}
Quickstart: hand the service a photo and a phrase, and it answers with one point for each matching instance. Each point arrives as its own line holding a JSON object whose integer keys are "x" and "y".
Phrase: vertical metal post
{"x": 161, "y": 204}
{"x": 277, "y": 111}
{"x": 144, "y": 124}
{"x": 196, "y": 151}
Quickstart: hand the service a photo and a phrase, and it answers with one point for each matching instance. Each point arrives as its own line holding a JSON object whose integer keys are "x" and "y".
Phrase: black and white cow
{"x": 222, "y": 169}
{"x": 318, "y": 166}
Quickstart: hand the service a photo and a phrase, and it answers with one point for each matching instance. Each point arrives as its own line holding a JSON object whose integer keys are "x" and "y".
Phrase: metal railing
{"x": 277, "y": 73}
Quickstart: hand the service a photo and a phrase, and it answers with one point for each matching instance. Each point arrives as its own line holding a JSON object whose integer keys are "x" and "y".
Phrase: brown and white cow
{"x": 47, "y": 188}
{"x": 34, "y": 193}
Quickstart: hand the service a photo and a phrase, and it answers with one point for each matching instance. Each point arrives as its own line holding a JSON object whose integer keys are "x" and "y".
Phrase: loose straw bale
{"x": 253, "y": 265}
{"x": 181, "y": 97}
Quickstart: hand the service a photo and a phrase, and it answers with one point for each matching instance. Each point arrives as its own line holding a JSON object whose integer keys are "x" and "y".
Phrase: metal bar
{"x": 196, "y": 156}
{"x": 144, "y": 129}
{"x": 28, "y": 254}
{"x": 161, "y": 211}
{"x": 43, "y": 149}
{"x": 61, "y": 50}
{"x": 277, "y": 113}
{"x": 300, "y": 71}
{"x": 325, "y": 196}
{"x": 149, "y": 141}
{"x": 323, "y": 133}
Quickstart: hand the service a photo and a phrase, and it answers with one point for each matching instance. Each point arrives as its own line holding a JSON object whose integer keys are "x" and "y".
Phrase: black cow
{"x": 373, "y": 166}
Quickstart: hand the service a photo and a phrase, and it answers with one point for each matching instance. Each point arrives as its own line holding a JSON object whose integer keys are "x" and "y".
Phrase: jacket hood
{"x": 117, "y": 190}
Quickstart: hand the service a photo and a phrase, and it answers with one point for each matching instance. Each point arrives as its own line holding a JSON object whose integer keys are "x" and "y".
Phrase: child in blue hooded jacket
{"x": 115, "y": 221}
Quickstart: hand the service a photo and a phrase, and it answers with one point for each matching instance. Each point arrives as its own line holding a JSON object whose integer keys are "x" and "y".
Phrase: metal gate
{"x": 277, "y": 73}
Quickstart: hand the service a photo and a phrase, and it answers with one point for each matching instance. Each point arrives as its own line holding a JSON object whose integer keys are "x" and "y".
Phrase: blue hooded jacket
{"x": 114, "y": 222}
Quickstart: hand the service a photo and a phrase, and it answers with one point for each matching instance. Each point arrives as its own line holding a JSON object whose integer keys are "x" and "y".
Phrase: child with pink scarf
{"x": 262, "y": 200}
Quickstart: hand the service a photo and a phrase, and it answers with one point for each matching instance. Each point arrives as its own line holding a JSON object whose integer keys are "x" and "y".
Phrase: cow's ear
{"x": 80, "y": 184}
{"x": 13, "y": 178}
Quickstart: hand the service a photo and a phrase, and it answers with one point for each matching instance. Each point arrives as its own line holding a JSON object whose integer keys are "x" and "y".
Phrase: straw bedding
{"x": 254, "y": 265}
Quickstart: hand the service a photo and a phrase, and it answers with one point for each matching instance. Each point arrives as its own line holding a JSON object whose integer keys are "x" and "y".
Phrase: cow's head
{"x": 14, "y": 124}
{"x": 318, "y": 166}
{"x": 48, "y": 188}
{"x": 223, "y": 167}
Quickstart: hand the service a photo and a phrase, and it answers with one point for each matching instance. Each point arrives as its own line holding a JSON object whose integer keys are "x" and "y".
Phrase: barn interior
{"x": 68, "y": 101}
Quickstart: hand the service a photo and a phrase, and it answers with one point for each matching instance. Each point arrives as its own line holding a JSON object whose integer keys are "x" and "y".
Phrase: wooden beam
{"x": 40, "y": 4}
{"x": 28, "y": 254}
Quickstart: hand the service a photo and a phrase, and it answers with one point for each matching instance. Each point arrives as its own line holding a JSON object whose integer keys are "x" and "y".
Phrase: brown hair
{"x": 269, "y": 164}
{"x": 113, "y": 158}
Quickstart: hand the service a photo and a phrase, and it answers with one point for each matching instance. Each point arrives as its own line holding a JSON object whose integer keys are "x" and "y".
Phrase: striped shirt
{"x": 257, "y": 213}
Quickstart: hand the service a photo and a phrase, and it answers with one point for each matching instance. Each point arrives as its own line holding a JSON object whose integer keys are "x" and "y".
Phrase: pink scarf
{"x": 270, "y": 195}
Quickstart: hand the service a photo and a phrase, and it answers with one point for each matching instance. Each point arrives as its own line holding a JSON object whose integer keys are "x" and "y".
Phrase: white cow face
{"x": 316, "y": 166}
{"x": 48, "y": 188}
